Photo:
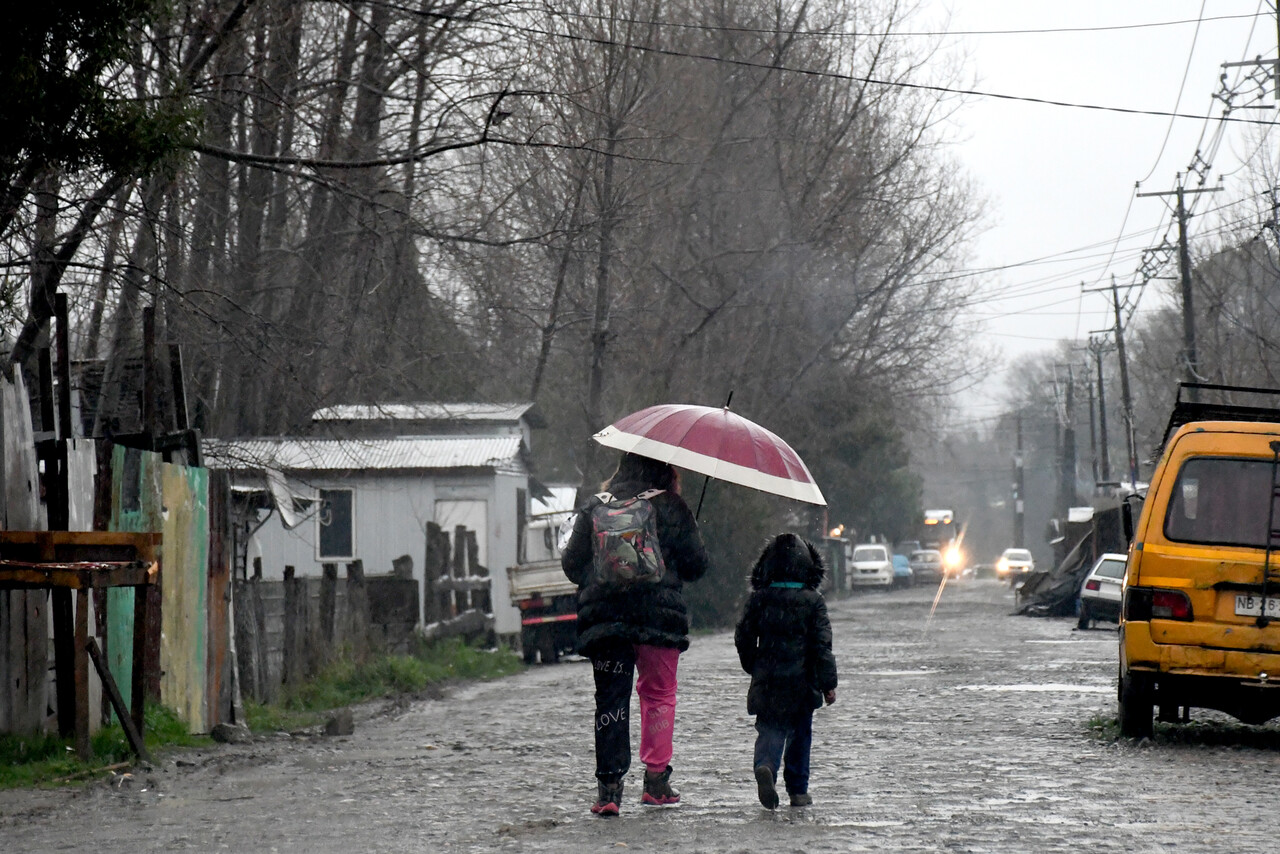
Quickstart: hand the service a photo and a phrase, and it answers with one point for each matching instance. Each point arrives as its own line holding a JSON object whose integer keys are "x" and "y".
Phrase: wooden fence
{"x": 457, "y": 599}
{"x": 287, "y": 631}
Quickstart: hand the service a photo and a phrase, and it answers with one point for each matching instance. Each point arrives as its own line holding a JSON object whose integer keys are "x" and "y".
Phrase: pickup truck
{"x": 547, "y": 600}
{"x": 548, "y": 603}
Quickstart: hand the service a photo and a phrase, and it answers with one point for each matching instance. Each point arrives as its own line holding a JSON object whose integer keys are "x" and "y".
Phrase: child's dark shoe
{"x": 764, "y": 786}
{"x": 801, "y": 799}
{"x": 610, "y": 799}
{"x": 657, "y": 789}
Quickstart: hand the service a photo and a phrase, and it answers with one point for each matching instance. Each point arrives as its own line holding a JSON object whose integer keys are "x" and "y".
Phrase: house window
{"x": 337, "y": 523}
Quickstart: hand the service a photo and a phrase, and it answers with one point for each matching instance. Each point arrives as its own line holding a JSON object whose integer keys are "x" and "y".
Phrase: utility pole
{"x": 1018, "y": 507}
{"x": 1093, "y": 440}
{"x": 1125, "y": 396}
{"x": 1067, "y": 497}
{"x": 1097, "y": 347}
{"x": 1191, "y": 361}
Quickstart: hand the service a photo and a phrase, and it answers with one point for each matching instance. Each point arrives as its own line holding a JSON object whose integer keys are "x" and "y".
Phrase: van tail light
{"x": 1148, "y": 603}
{"x": 1170, "y": 605}
{"x": 1092, "y": 584}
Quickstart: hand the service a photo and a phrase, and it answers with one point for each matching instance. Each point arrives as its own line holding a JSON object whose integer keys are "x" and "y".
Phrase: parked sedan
{"x": 1100, "y": 594}
{"x": 926, "y": 565}
{"x": 871, "y": 565}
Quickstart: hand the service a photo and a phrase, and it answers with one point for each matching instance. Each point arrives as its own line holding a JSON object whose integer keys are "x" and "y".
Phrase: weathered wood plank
{"x": 80, "y": 667}
{"x": 24, "y": 616}
{"x": 184, "y": 612}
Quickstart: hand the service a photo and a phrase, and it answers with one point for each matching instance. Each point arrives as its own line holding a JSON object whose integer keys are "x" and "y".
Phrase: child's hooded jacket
{"x": 784, "y": 636}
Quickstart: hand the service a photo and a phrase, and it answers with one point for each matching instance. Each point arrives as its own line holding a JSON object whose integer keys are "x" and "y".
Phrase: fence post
{"x": 266, "y": 684}
{"x": 328, "y": 611}
{"x": 357, "y": 609}
{"x": 479, "y": 598}
{"x": 296, "y": 607}
{"x": 434, "y": 567}
{"x": 248, "y": 647}
{"x": 461, "y": 598}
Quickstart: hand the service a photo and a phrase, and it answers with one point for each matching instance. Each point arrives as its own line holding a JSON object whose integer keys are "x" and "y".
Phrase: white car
{"x": 1102, "y": 590}
{"x": 871, "y": 565}
{"x": 1013, "y": 564}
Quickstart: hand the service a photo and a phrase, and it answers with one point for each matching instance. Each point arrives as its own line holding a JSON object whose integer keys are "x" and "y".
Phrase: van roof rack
{"x": 1186, "y": 411}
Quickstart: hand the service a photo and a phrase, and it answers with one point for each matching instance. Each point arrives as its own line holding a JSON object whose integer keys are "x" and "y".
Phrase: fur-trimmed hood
{"x": 788, "y": 558}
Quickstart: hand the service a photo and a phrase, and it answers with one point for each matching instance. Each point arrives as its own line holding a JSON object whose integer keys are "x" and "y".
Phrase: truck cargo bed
{"x": 544, "y": 577}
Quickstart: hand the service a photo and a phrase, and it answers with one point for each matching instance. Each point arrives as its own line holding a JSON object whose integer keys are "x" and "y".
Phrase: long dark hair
{"x": 633, "y": 468}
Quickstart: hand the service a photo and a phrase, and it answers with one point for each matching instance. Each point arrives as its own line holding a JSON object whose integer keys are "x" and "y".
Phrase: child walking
{"x": 784, "y": 642}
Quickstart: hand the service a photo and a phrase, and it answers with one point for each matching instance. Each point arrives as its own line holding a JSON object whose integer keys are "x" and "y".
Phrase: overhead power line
{"x": 831, "y": 33}
{"x": 870, "y": 81}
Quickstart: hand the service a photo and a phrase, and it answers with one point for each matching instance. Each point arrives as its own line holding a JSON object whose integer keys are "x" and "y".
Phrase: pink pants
{"x": 656, "y": 688}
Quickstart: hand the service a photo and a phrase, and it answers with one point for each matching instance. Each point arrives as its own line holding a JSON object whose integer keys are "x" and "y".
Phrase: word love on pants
{"x": 611, "y": 666}
{"x": 611, "y": 718}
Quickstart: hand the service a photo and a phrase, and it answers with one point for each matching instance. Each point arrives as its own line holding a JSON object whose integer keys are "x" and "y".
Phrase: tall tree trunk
{"x": 600, "y": 315}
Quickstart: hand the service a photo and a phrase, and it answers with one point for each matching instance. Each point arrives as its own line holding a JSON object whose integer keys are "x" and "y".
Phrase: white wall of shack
{"x": 391, "y": 512}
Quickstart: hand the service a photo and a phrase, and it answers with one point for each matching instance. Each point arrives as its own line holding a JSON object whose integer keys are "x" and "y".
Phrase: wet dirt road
{"x": 967, "y": 733}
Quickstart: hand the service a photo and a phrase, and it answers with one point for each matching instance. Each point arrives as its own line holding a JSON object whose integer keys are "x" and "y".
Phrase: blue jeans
{"x": 790, "y": 740}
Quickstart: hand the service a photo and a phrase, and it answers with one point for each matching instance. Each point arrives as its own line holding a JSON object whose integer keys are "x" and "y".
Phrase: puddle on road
{"x": 1073, "y": 639}
{"x": 871, "y": 823}
{"x": 1042, "y": 687}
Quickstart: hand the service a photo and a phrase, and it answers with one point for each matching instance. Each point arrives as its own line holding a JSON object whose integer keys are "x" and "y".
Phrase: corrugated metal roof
{"x": 415, "y": 452}
{"x": 508, "y": 412}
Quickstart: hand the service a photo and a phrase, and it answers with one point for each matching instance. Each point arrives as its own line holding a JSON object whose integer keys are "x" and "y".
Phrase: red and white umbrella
{"x": 717, "y": 443}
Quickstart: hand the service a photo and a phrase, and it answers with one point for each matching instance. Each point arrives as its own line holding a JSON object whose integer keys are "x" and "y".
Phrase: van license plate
{"x": 1248, "y": 605}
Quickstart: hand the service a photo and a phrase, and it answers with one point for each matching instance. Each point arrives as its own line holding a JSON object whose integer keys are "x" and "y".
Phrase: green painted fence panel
{"x": 149, "y": 494}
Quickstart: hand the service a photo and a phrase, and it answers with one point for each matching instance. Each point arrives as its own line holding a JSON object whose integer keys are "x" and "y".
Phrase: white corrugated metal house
{"x": 367, "y": 480}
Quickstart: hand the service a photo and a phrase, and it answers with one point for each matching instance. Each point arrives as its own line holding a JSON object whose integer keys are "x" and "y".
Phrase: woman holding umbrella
{"x": 642, "y": 627}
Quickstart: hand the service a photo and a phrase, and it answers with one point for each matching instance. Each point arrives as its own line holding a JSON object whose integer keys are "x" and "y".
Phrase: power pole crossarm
{"x": 1191, "y": 360}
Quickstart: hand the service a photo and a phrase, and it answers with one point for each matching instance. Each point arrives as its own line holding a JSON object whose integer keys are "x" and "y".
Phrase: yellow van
{"x": 1201, "y": 613}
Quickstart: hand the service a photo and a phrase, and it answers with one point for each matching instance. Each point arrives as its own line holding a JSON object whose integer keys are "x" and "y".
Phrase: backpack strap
{"x": 606, "y": 497}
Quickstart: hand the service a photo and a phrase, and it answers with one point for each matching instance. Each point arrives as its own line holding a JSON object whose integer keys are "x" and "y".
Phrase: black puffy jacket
{"x": 784, "y": 636}
{"x": 652, "y": 614}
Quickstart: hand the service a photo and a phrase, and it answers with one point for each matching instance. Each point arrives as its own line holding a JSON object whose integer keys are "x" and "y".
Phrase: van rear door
{"x": 1207, "y": 539}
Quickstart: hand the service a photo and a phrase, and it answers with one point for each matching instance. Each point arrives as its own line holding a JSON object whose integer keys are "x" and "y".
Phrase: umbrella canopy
{"x": 717, "y": 443}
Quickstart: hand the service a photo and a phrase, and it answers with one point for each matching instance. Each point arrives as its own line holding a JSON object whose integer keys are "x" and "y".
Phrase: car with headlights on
{"x": 1014, "y": 563}
{"x": 1102, "y": 590}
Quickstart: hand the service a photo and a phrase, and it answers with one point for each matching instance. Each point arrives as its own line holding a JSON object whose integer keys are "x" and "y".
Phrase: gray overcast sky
{"x": 1060, "y": 180}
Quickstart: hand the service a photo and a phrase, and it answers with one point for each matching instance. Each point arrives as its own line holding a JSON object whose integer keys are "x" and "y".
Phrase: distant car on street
{"x": 1100, "y": 594}
{"x": 1014, "y": 563}
{"x": 902, "y": 574}
{"x": 871, "y": 566}
{"x": 926, "y": 565}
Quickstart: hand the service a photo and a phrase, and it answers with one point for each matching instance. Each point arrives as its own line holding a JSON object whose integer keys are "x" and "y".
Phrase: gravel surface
{"x": 967, "y": 732}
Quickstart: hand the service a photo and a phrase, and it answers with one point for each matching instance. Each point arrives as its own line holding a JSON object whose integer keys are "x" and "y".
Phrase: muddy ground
{"x": 970, "y": 732}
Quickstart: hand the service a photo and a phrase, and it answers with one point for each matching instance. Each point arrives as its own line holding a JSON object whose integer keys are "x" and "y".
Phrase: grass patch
{"x": 1104, "y": 727}
{"x": 345, "y": 682}
{"x": 48, "y": 760}
{"x": 43, "y": 760}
